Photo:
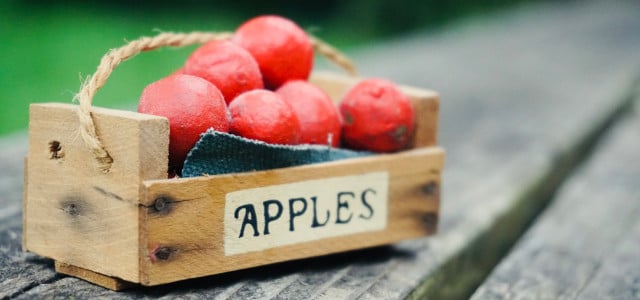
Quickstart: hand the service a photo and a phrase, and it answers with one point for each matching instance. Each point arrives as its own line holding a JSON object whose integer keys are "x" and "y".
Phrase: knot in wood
{"x": 163, "y": 253}
{"x": 430, "y": 220}
{"x": 431, "y": 188}
{"x": 71, "y": 209}
{"x": 55, "y": 150}
{"x": 162, "y": 205}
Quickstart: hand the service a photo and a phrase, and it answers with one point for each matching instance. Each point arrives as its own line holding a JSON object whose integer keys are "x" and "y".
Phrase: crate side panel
{"x": 75, "y": 213}
{"x": 186, "y": 239}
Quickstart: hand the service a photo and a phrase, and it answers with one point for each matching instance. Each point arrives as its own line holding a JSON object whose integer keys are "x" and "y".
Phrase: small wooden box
{"x": 132, "y": 225}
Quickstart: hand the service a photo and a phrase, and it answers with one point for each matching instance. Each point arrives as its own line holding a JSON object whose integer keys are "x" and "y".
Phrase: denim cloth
{"x": 221, "y": 153}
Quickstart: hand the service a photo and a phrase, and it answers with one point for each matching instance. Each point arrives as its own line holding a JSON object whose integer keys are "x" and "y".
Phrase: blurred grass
{"x": 46, "y": 51}
{"x": 48, "y": 48}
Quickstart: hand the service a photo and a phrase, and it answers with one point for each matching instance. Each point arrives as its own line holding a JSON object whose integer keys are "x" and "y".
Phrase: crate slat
{"x": 191, "y": 231}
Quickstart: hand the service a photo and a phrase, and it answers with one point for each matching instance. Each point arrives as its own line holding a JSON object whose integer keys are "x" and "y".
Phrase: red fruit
{"x": 229, "y": 67}
{"x": 282, "y": 49}
{"x": 377, "y": 116}
{"x": 319, "y": 117}
{"x": 191, "y": 104}
{"x": 263, "y": 115}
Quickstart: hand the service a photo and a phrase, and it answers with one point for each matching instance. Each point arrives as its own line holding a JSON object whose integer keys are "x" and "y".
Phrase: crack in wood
{"x": 33, "y": 285}
{"x": 460, "y": 276}
{"x": 162, "y": 205}
{"x": 108, "y": 193}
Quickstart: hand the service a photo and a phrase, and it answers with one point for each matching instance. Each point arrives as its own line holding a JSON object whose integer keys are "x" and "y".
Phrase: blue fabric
{"x": 222, "y": 153}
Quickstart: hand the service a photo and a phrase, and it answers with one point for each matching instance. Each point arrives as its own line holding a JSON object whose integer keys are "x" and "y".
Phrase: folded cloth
{"x": 221, "y": 153}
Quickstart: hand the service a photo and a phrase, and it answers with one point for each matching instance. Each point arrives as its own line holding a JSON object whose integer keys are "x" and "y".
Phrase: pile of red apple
{"x": 255, "y": 85}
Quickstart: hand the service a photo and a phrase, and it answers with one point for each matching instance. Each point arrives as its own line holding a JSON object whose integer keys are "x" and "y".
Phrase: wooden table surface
{"x": 543, "y": 152}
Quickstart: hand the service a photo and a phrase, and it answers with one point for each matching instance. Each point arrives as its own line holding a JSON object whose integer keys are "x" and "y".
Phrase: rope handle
{"x": 114, "y": 57}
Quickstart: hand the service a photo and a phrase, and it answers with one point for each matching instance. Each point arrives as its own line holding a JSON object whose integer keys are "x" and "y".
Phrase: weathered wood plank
{"x": 617, "y": 277}
{"x": 19, "y": 271}
{"x": 585, "y": 245}
{"x": 522, "y": 110}
{"x": 515, "y": 91}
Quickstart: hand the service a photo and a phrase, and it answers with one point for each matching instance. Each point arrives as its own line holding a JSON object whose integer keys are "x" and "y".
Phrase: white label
{"x": 278, "y": 215}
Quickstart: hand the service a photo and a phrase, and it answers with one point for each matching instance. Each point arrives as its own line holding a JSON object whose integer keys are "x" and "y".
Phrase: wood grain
{"x": 517, "y": 89}
{"x": 192, "y": 229}
{"x": 73, "y": 212}
{"x": 585, "y": 245}
{"x": 111, "y": 283}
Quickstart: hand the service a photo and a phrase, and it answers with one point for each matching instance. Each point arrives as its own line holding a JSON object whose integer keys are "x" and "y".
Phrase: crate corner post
{"x": 85, "y": 219}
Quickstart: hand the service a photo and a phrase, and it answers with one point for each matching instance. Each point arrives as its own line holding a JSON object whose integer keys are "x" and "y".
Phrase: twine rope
{"x": 114, "y": 57}
{"x": 333, "y": 55}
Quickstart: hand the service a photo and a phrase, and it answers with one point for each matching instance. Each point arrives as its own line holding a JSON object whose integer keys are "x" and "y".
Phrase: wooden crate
{"x": 132, "y": 225}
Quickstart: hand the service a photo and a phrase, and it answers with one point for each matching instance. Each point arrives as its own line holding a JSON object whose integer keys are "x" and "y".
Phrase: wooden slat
{"x": 75, "y": 213}
{"x": 585, "y": 245}
{"x": 516, "y": 90}
{"x": 111, "y": 283}
{"x": 193, "y": 228}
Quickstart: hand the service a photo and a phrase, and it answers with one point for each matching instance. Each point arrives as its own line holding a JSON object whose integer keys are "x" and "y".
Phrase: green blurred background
{"x": 48, "y": 47}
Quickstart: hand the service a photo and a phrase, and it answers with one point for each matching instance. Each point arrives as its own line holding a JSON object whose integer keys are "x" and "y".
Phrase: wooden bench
{"x": 526, "y": 95}
{"x": 586, "y": 245}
